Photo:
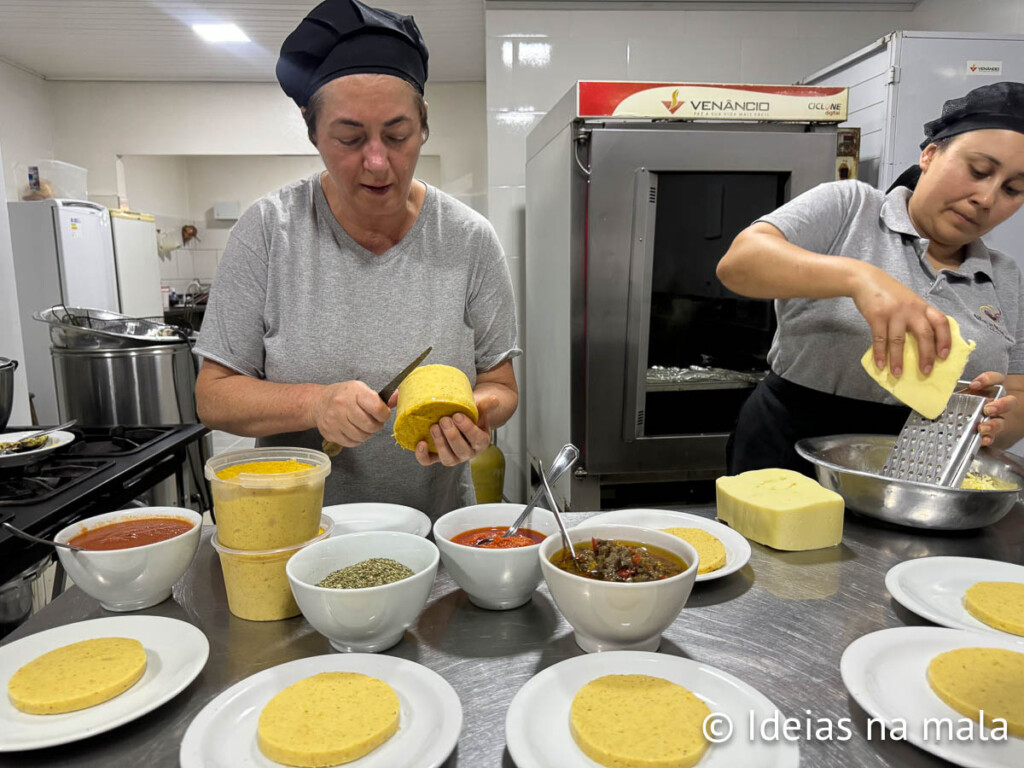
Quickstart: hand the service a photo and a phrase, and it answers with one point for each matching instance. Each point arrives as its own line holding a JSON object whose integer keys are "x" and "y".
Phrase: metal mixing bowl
{"x": 850, "y": 465}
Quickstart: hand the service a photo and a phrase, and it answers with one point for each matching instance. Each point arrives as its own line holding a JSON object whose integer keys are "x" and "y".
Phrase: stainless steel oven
{"x": 634, "y": 350}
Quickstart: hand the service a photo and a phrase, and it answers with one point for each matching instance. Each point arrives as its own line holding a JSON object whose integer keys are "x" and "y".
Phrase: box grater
{"x": 940, "y": 451}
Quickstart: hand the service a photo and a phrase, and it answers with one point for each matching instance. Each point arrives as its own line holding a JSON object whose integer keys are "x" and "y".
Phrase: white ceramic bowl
{"x": 133, "y": 578}
{"x": 497, "y": 579}
{"x": 363, "y": 620}
{"x": 611, "y": 616}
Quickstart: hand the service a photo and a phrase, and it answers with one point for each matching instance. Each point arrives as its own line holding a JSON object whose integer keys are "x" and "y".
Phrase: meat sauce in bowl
{"x": 524, "y": 537}
{"x": 137, "y": 532}
{"x": 620, "y": 561}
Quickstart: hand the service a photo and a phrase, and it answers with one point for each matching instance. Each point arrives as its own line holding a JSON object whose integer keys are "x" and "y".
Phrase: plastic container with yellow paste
{"x": 427, "y": 395}
{"x": 266, "y": 498}
{"x": 256, "y": 581}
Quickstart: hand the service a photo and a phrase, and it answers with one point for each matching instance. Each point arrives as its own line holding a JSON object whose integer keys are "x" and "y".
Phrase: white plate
{"x": 737, "y": 548}
{"x": 175, "y": 653}
{"x": 537, "y": 724}
{"x": 934, "y": 587}
{"x": 374, "y": 516}
{"x": 886, "y": 673}
{"x": 55, "y": 441}
{"x": 223, "y": 734}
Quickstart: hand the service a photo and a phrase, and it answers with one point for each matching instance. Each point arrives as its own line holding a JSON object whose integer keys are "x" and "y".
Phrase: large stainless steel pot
{"x": 7, "y": 368}
{"x": 151, "y": 385}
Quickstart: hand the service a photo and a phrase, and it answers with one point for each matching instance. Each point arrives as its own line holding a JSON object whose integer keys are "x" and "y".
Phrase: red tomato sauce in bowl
{"x": 136, "y": 532}
{"x": 525, "y": 537}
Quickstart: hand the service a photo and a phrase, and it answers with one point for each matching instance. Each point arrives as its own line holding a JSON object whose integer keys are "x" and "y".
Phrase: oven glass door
{"x": 699, "y": 348}
{"x": 663, "y": 203}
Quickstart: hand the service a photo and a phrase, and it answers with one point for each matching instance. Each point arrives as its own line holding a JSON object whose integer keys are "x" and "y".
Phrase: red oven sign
{"x": 712, "y": 101}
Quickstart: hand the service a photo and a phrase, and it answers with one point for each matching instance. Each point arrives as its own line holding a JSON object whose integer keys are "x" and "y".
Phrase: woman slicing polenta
{"x": 903, "y": 274}
{"x": 332, "y": 285}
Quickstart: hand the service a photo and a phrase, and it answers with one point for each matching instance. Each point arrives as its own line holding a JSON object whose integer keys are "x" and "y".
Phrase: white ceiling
{"x": 153, "y": 39}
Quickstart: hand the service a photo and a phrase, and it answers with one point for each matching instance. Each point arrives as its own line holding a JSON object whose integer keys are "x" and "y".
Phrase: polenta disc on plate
{"x": 886, "y": 672}
{"x": 538, "y": 725}
{"x": 176, "y": 653}
{"x": 936, "y": 588}
{"x": 77, "y": 675}
{"x": 224, "y": 733}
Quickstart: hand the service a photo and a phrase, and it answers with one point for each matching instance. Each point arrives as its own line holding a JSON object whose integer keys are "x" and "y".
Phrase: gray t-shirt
{"x": 297, "y": 300}
{"x": 819, "y": 342}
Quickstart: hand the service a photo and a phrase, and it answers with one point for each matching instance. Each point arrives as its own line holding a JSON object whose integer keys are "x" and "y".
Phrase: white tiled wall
{"x": 533, "y": 57}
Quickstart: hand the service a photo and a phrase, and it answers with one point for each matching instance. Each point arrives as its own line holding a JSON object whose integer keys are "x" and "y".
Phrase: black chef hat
{"x": 998, "y": 105}
{"x": 345, "y": 37}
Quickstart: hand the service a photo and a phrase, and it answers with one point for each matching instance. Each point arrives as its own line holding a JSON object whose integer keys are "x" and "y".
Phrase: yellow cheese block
{"x": 710, "y": 551}
{"x": 780, "y": 508}
{"x": 77, "y": 676}
{"x": 428, "y": 394}
{"x": 971, "y": 680}
{"x": 999, "y": 604}
{"x": 327, "y": 719}
{"x": 638, "y": 721}
{"x": 929, "y": 394}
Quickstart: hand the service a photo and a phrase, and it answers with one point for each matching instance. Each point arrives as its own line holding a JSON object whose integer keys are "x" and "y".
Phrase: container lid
{"x": 326, "y": 529}
{"x": 319, "y": 467}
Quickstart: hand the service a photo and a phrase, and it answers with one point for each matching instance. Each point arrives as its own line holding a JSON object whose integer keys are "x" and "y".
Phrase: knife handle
{"x": 331, "y": 449}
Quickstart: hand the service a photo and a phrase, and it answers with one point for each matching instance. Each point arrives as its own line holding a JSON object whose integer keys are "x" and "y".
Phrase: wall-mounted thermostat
{"x": 227, "y": 211}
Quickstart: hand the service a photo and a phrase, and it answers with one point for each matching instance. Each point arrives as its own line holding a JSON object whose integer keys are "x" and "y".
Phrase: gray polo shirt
{"x": 819, "y": 342}
{"x": 297, "y": 300}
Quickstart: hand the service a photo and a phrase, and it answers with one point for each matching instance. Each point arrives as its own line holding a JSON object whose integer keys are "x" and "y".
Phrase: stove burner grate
{"x": 39, "y": 482}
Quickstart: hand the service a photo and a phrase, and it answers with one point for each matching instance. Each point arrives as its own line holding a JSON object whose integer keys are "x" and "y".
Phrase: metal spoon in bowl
{"x": 29, "y": 537}
{"x": 558, "y": 517}
{"x": 565, "y": 459}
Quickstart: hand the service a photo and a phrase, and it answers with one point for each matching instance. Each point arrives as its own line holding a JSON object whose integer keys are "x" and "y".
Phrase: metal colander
{"x": 85, "y": 328}
{"x": 940, "y": 451}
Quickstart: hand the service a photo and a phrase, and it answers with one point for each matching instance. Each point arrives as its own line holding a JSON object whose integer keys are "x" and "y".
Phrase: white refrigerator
{"x": 137, "y": 262}
{"x": 63, "y": 254}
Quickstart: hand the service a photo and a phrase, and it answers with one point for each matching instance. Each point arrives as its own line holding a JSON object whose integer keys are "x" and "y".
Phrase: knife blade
{"x": 389, "y": 388}
{"x": 333, "y": 449}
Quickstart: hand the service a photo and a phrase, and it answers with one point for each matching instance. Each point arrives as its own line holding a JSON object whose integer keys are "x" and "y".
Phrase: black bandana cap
{"x": 998, "y": 105}
{"x": 346, "y": 37}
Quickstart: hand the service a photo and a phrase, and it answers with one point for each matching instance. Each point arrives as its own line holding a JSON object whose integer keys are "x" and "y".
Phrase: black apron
{"x": 779, "y": 413}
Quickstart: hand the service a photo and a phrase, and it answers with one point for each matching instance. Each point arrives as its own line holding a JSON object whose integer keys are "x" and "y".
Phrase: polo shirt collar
{"x": 896, "y": 217}
{"x": 894, "y": 212}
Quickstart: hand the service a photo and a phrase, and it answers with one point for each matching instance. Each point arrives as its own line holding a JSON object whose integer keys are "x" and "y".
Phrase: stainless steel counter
{"x": 780, "y": 624}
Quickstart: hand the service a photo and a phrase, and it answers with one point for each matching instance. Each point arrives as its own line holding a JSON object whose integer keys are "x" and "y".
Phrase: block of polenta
{"x": 972, "y": 680}
{"x": 999, "y": 604}
{"x": 780, "y": 508}
{"x": 327, "y": 719}
{"x": 77, "y": 676}
{"x": 638, "y": 721}
{"x": 928, "y": 395}
{"x": 710, "y": 551}
{"x": 428, "y": 394}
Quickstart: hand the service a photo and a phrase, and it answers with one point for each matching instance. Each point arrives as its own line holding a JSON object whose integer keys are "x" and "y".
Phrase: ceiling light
{"x": 220, "y": 33}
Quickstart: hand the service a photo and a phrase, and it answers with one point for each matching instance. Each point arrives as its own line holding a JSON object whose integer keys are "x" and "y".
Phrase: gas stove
{"x": 58, "y": 471}
{"x": 114, "y": 441}
{"x": 104, "y": 469}
{"x": 38, "y": 482}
